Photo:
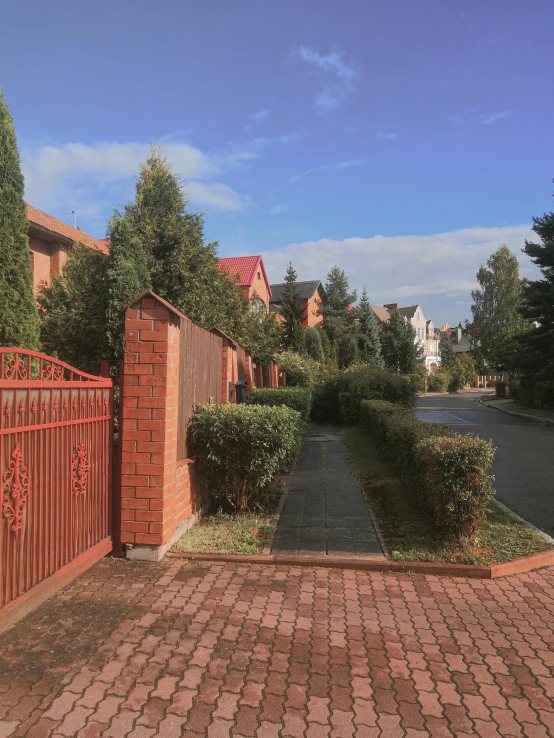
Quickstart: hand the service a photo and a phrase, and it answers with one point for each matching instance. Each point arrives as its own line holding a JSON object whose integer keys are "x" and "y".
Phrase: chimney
{"x": 391, "y": 306}
{"x": 459, "y": 334}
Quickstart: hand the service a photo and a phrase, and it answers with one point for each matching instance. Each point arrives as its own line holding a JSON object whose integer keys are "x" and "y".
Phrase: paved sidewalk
{"x": 325, "y": 513}
{"x": 139, "y": 650}
{"x": 512, "y": 407}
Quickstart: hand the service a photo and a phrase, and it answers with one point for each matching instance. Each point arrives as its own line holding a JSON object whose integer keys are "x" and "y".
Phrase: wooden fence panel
{"x": 200, "y": 362}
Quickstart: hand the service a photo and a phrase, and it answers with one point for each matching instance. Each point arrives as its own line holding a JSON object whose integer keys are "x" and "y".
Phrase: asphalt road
{"x": 524, "y": 462}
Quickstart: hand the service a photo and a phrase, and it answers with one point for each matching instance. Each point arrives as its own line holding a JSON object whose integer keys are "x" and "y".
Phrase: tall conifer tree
{"x": 291, "y": 311}
{"x": 370, "y": 341}
{"x": 19, "y": 324}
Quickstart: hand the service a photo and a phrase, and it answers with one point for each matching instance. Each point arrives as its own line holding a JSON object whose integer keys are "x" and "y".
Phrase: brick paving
{"x": 325, "y": 512}
{"x": 210, "y": 649}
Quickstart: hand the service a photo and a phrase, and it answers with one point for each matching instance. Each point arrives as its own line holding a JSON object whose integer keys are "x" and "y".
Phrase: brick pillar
{"x": 259, "y": 374}
{"x": 275, "y": 374}
{"x": 248, "y": 370}
{"x": 282, "y": 377}
{"x": 149, "y": 427}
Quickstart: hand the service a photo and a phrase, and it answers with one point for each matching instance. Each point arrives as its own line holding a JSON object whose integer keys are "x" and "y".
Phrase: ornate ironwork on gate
{"x": 56, "y": 433}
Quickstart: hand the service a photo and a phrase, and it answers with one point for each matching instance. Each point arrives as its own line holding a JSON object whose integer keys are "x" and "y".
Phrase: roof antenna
{"x": 74, "y": 217}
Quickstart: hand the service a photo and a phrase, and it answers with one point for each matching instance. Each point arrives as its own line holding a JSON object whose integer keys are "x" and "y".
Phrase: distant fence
{"x": 200, "y": 361}
{"x": 488, "y": 380}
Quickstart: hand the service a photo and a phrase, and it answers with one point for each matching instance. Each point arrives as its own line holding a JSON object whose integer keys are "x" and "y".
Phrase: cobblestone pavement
{"x": 210, "y": 649}
{"x": 325, "y": 513}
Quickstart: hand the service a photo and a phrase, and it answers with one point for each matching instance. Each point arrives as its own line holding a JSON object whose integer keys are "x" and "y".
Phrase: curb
{"x": 535, "y": 418}
{"x": 468, "y": 571}
{"x": 275, "y": 523}
{"x": 511, "y": 514}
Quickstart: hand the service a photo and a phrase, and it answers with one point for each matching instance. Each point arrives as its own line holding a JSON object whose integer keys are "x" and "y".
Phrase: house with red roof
{"x": 252, "y": 279}
{"x": 49, "y": 240}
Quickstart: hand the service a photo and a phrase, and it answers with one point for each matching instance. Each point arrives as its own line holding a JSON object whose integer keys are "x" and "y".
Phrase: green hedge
{"x": 297, "y": 398}
{"x": 447, "y": 471}
{"x": 340, "y": 397}
{"x": 239, "y": 449}
{"x": 438, "y": 381}
{"x": 302, "y": 371}
{"x": 527, "y": 391}
{"x": 500, "y": 388}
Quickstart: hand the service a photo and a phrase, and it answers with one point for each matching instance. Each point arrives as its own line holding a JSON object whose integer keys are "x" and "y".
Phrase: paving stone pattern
{"x": 136, "y": 650}
{"x": 325, "y": 512}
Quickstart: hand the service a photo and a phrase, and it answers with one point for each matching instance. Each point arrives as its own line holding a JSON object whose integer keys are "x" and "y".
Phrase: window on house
{"x": 257, "y": 306}
{"x": 259, "y": 275}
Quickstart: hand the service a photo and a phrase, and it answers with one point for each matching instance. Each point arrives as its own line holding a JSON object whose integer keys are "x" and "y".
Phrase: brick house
{"x": 252, "y": 279}
{"x": 311, "y": 296}
{"x": 425, "y": 333}
{"x": 49, "y": 240}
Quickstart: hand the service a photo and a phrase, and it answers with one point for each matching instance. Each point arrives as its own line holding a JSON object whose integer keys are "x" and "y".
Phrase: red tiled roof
{"x": 245, "y": 268}
{"x": 49, "y": 223}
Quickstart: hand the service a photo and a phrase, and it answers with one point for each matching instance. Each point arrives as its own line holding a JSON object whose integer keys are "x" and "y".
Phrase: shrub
{"x": 417, "y": 382}
{"x": 500, "y": 388}
{"x": 438, "y": 381}
{"x": 302, "y": 371}
{"x": 448, "y": 472}
{"x": 297, "y": 398}
{"x": 544, "y": 394}
{"x": 513, "y": 389}
{"x": 454, "y": 479}
{"x": 239, "y": 449}
{"x": 325, "y": 401}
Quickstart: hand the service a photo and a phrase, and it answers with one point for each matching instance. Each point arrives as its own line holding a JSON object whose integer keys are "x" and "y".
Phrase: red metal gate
{"x": 56, "y": 431}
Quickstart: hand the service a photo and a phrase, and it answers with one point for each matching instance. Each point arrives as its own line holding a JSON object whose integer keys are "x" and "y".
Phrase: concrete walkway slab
{"x": 325, "y": 513}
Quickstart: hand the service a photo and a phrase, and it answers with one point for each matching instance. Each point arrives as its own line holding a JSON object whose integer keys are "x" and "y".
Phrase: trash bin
{"x": 240, "y": 390}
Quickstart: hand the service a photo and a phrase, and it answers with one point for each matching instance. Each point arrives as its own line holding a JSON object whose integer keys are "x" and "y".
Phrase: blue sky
{"x": 402, "y": 140}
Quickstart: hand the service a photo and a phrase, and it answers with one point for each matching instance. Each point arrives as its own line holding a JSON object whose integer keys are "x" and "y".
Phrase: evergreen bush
{"x": 500, "y": 388}
{"x": 302, "y": 371}
{"x": 240, "y": 449}
{"x": 19, "y": 322}
{"x": 297, "y": 398}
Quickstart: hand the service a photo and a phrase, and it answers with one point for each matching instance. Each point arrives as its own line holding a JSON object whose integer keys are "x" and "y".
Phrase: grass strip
{"x": 405, "y": 525}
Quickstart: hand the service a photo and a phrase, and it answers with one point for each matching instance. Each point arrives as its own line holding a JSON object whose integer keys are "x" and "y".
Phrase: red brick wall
{"x": 155, "y": 493}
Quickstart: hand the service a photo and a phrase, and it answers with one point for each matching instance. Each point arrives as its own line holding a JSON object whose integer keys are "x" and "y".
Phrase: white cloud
{"x": 495, "y": 117}
{"x": 430, "y": 270}
{"x": 90, "y": 177}
{"x": 278, "y": 209}
{"x": 260, "y": 116}
{"x": 338, "y": 78}
{"x": 386, "y": 136}
{"x": 336, "y": 167}
{"x": 350, "y": 131}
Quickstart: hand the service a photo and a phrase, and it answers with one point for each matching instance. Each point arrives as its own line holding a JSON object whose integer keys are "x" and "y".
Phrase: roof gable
{"x": 245, "y": 267}
{"x": 48, "y": 223}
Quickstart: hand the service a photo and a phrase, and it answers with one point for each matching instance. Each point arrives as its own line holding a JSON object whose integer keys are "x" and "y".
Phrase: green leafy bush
{"x": 448, "y": 472}
{"x": 297, "y": 398}
{"x": 325, "y": 400}
{"x": 453, "y": 476}
{"x": 239, "y": 449}
{"x": 514, "y": 390}
{"x": 438, "y": 381}
{"x": 544, "y": 394}
{"x": 302, "y": 371}
{"x": 417, "y": 382}
{"x": 500, "y": 388}
{"x": 340, "y": 397}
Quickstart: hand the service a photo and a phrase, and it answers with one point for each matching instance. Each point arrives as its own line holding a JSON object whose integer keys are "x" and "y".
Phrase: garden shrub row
{"x": 240, "y": 449}
{"x": 448, "y": 472}
{"x": 297, "y": 398}
{"x": 339, "y": 398}
{"x": 529, "y": 392}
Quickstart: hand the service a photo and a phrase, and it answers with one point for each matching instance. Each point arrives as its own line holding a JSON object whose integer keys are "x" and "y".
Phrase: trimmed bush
{"x": 417, "y": 382}
{"x": 448, "y": 472}
{"x": 514, "y": 390}
{"x": 297, "y": 398}
{"x": 500, "y": 388}
{"x": 239, "y": 449}
{"x": 453, "y": 474}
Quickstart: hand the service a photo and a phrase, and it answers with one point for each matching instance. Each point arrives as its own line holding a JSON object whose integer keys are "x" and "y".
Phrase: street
{"x": 524, "y": 462}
